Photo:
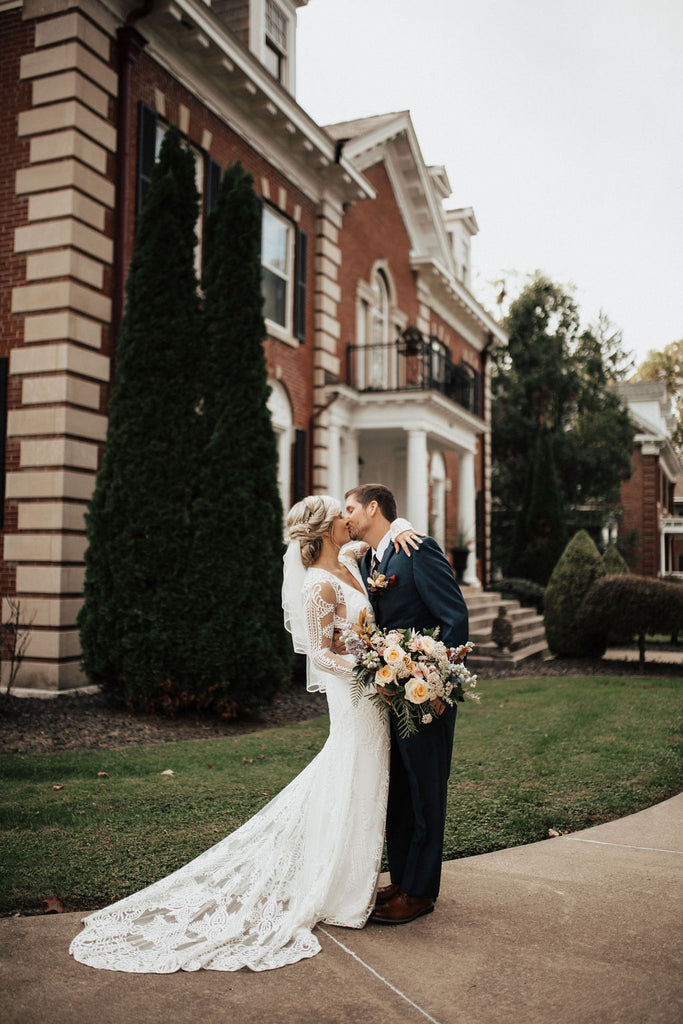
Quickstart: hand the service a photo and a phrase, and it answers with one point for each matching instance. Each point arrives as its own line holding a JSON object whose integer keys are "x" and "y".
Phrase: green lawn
{"x": 538, "y": 753}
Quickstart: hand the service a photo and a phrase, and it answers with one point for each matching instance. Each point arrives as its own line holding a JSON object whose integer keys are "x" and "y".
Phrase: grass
{"x": 538, "y": 753}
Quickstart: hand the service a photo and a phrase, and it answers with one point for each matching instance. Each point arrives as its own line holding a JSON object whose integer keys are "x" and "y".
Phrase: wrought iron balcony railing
{"x": 413, "y": 363}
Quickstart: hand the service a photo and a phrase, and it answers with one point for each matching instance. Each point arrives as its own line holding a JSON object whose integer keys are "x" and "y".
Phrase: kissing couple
{"x": 313, "y": 854}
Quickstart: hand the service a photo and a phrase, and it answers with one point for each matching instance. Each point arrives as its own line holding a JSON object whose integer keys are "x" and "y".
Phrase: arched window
{"x": 281, "y": 415}
{"x": 378, "y": 323}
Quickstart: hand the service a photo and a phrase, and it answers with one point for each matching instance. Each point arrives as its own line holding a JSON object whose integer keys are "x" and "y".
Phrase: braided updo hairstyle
{"x": 309, "y": 520}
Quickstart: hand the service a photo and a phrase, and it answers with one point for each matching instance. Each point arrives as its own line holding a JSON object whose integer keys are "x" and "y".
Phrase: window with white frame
{"x": 378, "y": 324}
{"x": 277, "y": 258}
{"x": 275, "y": 54}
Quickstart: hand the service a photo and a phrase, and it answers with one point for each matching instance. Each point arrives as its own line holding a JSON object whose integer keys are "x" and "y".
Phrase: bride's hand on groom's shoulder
{"x": 408, "y": 537}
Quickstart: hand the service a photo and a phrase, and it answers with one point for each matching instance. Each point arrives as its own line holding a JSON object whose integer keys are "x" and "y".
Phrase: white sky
{"x": 559, "y": 121}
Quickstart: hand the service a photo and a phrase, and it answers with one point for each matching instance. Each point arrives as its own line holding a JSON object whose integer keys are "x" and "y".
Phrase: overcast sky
{"x": 559, "y": 121}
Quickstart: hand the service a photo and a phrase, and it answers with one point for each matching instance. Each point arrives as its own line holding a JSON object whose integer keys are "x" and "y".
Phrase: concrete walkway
{"x": 585, "y": 929}
{"x": 673, "y": 658}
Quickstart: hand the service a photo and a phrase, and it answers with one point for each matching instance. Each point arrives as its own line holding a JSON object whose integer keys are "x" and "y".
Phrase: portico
{"x": 399, "y": 439}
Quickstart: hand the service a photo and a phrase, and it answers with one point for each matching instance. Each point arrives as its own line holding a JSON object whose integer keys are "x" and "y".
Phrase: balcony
{"x": 671, "y": 524}
{"x": 413, "y": 363}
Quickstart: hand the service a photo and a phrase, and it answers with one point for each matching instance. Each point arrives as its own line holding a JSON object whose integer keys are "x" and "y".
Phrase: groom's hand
{"x": 438, "y": 706}
{"x": 383, "y": 693}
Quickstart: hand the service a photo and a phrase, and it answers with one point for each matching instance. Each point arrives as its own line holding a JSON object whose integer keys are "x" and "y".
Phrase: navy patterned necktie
{"x": 375, "y": 564}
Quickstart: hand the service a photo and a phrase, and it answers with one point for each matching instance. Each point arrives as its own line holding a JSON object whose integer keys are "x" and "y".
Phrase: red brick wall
{"x": 639, "y": 498}
{"x": 295, "y": 364}
{"x": 374, "y": 230}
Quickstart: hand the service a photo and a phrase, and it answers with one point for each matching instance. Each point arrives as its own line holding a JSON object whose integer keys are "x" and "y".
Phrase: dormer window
{"x": 275, "y": 55}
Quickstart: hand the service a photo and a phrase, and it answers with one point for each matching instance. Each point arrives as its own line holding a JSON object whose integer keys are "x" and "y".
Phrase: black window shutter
{"x": 147, "y": 145}
{"x": 300, "y": 286}
{"x": 214, "y": 175}
{"x": 299, "y": 465}
{"x": 4, "y": 363}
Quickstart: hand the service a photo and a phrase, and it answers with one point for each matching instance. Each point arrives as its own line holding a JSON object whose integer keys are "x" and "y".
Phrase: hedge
{"x": 634, "y": 604}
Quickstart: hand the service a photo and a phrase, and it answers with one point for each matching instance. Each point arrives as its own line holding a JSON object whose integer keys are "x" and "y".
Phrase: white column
{"x": 350, "y": 462}
{"x": 334, "y": 480}
{"x": 467, "y": 504}
{"x": 417, "y": 481}
{"x": 662, "y": 551}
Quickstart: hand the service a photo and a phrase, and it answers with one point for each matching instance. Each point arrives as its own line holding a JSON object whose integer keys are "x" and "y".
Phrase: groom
{"x": 423, "y": 594}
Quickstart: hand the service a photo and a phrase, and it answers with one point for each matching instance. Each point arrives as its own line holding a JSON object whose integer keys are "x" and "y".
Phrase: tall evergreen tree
{"x": 139, "y": 522}
{"x": 556, "y": 376}
{"x": 242, "y": 651}
{"x": 541, "y": 533}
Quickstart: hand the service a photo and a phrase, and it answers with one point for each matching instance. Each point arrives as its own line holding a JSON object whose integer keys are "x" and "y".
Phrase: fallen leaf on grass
{"x": 52, "y": 905}
{"x": 169, "y": 771}
{"x": 553, "y": 833}
{"x": 58, "y": 787}
{"x": 103, "y": 775}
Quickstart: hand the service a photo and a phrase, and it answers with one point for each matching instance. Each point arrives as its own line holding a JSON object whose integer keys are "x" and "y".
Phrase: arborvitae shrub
{"x": 135, "y": 635}
{"x": 575, "y": 573}
{"x": 242, "y": 650}
{"x": 613, "y": 561}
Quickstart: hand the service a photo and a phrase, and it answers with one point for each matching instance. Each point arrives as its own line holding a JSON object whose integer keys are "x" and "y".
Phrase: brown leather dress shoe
{"x": 386, "y": 893}
{"x": 402, "y": 909}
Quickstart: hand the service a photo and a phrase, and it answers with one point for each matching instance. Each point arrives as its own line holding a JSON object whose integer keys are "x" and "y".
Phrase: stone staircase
{"x": 528, "y": 631}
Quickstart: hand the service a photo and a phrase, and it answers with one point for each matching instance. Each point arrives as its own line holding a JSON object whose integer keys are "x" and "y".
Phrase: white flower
{"x": 426, "y": 719}
{"x": 428, "y": 645}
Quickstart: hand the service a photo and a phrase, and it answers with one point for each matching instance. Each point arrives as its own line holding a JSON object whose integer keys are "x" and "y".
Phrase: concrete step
{"x": 522, "y": 618}
{"x": 486, "y": 655}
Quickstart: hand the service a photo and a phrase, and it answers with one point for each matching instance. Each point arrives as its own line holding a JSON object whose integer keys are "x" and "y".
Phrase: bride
{"x": 314, "y": 852}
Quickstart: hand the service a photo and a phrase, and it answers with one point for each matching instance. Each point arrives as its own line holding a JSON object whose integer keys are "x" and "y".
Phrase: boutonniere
{"x": 378, "y": 582}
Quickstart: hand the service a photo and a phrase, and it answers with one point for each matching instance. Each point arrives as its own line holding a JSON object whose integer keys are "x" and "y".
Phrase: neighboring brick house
{"x": 357, "y": 253}
{"x": 651, "y": 526}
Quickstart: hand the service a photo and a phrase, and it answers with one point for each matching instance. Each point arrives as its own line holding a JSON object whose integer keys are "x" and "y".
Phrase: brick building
{"x": 652, "y": 523}
{"x": 376, "y": 349}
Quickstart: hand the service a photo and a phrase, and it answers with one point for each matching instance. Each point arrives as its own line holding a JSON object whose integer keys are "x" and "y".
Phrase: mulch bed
{"x": 32, "y": 725}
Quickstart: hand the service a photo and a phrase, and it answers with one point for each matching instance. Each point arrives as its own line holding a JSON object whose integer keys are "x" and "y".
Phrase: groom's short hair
{"x": 386, "y": 502}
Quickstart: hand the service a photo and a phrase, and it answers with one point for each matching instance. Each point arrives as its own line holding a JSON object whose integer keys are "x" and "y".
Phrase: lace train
{"x": 312, "y": 854}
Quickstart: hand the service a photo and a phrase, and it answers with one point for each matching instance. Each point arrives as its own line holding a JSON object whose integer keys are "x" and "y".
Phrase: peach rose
{"x": 393, "y": 654}
{"x": 417, "y": 691}
{"x": 384, "y": 675}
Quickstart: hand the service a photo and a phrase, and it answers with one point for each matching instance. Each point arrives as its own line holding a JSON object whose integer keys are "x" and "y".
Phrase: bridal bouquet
{"x": 413, "y": 669}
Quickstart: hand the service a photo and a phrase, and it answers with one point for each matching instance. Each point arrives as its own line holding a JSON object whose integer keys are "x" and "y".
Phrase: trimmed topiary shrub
{"x": 636, "y": 604}
{"x": 613, "y": 561}
{"x": 527, "y": 592}
{"x": 615, "y": 565}
{"x": 575, "y": 573}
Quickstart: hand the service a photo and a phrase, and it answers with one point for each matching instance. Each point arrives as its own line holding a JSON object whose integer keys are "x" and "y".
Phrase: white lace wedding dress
{"x": 310, "y": 855}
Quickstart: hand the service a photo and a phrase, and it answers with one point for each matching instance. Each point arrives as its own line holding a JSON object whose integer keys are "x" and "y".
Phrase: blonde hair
{"x": 309, "y": 520}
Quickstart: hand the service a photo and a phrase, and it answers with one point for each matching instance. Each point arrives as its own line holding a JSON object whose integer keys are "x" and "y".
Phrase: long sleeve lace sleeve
{"x": 320, "y": 600}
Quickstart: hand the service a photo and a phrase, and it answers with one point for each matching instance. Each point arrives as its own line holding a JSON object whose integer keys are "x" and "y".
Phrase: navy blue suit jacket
{"x": 426, "y": 593}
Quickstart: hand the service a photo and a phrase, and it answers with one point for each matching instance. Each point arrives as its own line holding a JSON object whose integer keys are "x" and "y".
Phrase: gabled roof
{"x": 419, "y": 191}
{"x": 391, "y": 138}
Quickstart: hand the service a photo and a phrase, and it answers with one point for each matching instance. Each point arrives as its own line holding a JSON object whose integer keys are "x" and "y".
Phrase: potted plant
{"x": 459, "y": 555}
